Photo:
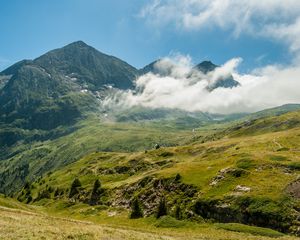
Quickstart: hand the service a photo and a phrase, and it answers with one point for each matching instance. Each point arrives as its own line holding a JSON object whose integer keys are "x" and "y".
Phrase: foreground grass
{"x": 235, "y": 227}
{"x": 21, "y": 224}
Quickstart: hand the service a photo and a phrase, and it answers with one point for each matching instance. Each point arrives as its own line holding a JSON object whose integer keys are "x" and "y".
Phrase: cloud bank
{"x": 187, "y": 89}
{"x": 176, "y": 84}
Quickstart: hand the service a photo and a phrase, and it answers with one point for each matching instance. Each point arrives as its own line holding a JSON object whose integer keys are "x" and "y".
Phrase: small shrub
{"x": 283, "y": 149}
{"x": 245, "y": 163}
{"x": 29, "y": 199}
{"x": 294, "y": 166}
{"x": 56, "y": 193}
{"x": 27, "y": 186}
{"x": 278, "y": 158}
{"x": 43, "y": 194}
{"x": 238, "y": 172}
{"x": 166, "y": 154}
{"x": 177, "y": 177}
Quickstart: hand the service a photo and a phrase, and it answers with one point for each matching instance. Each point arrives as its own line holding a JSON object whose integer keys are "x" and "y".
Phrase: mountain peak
{"x": 149, "y": 68}
{"x": 206, "y": 66}
{"x": 77, "y": 44}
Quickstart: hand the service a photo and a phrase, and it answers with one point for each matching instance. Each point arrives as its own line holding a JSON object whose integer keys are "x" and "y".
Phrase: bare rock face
{"x": 240, "y": 188}
{"x": 151, "y": 189}
{"x": 236, "y": 172}
{"x": 294, "y": 188}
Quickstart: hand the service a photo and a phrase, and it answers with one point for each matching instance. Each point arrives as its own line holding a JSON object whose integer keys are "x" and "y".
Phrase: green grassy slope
{"x": 32, "y": 159}
{"x": 28, "y": 154}
{"x": 241, "y": 177}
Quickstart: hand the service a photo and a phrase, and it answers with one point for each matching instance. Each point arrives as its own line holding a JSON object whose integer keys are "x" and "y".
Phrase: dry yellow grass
{"x": 20, "y": 224}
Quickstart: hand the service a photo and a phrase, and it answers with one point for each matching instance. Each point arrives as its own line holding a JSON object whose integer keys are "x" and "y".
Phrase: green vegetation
{"x": 169, "y": 222}
{"x": 221, "y": 180}
{"x": 74, "y": 190}
{"x": 249, "y": 229}
{"x": 91, "y": 134}
{"x": 136, "y": 210}
{"x": 162, "y": 208}
{"x": 95, "y": 193}
{"x": 160, "y": 173}
{"x": 184, "y": 186}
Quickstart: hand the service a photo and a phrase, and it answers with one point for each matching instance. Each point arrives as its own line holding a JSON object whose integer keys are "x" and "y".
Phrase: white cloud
{"x": 267, "y": 87}
{"x": 266, "y": 18}
{"x": 178, "y": 85}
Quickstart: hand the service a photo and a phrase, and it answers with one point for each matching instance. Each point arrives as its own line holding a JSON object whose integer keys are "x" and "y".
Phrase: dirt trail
{"x": 277, "y": 143}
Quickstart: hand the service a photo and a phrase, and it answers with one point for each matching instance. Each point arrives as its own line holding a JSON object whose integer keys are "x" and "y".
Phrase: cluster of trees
{"x": 162, "y": 209}
{"x": 136, "y": 208}
{"x": 95, "y": 194}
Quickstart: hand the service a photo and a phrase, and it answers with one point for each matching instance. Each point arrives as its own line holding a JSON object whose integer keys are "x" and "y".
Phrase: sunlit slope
{"x": 26, "y": 161}
{"x": 242, "y": 177}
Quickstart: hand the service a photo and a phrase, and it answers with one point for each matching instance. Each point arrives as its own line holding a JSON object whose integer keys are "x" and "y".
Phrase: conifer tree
{"x": 162, "y": 208}
{"x": 136, "y": 210}
{"x": 74, "y": 188}
{"x": 95, "y": 193}
{"x": 178, "y": 212}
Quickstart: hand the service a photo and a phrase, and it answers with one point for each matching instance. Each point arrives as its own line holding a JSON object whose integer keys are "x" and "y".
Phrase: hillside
{"x": 59, "y": 87}
{"x": 137, "y": 129}
{"x": 19, "y": 223}
{"x": 64, "y": 153}
{"x": 56, "y": 99}
{"x": 242, "y": 177}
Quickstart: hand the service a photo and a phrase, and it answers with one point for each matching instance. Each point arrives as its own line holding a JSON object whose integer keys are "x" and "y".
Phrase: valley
{"x": 76, "y": 165}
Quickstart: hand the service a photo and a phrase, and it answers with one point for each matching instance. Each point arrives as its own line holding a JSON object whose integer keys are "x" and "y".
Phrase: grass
{"x": 169, "y": 222}
{"x": 21, "y": 224}
{"x": 235, "y": 227}
{"x": 199, "y": 168}
{"x": 198, "y": 165}
{"x": 90, "y": 135}
{"x": 215, "y": 168}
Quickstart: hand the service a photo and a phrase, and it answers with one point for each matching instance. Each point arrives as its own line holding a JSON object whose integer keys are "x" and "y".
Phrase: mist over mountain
{"x": 204, "y": 67}
{"x": 75, "y": 100}
{"x": 62, "y": 85}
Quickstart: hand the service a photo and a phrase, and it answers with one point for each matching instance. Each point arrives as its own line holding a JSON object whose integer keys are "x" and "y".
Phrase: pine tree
{"x": 162, "y": 208}
{"x": 74, "y": 188}
{"x": 136, "y": 210}
{"x": 178, "y": 212}
{"x": 95, "y": 193}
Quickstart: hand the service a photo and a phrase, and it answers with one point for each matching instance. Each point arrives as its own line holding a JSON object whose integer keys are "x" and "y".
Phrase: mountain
{"x": 150, "y": 68}
{"x": 61, "y": 151}
{"x": 225, "y": 82}
{"x": 61, "y": 86}
{"x": 87, "y": 66}
{"x": 54, "y": 89}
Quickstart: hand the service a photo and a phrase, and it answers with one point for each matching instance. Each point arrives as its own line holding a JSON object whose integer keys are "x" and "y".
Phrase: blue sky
{"x": 136, "y": 31}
